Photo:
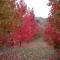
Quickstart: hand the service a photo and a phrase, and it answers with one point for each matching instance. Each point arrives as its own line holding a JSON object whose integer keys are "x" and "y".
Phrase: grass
{"x": 42, "y": 51}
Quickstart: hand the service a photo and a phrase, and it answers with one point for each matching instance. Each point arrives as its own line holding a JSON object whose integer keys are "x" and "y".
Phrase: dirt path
{"x": 35, "y": 50}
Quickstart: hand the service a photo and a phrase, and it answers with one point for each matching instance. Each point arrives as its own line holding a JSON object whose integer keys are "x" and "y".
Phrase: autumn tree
{"x": 10, "y": 18}
{"x": 29, "y": 28}
{"x": 54, "y": 21}
{"x": 55, "y": 14}
{"x": 52, "y": 32}
{"x": 17, "y": 23}
{"x": 20, "y": 11}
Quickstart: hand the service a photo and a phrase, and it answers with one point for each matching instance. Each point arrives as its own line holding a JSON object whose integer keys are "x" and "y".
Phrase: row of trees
{"x": 52, "y": 32}
{"x": 53, "y": 28}
{"x": 17, "y": 23}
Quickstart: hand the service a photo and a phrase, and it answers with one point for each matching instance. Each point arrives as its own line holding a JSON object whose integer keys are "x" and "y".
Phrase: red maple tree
{"x": 52, "y": 32}
{"x": 54, "y": 21}
{"x": 29, "y": 28}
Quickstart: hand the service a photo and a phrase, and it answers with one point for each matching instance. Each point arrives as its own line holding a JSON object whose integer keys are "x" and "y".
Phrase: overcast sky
{"x": 40, "y": 7}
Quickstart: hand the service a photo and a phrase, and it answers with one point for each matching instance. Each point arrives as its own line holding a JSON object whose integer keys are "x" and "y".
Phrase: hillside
{"x": 41, "y": 20}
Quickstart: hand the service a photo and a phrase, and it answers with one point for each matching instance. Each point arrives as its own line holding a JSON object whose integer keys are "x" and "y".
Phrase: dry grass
{"x": 34, "y": 50}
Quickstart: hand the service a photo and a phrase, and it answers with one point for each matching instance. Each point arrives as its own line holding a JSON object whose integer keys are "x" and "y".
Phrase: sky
{"x": 39, "y": 6}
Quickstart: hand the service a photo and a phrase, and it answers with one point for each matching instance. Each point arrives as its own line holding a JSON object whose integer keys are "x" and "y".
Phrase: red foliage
{"x": 29, "y": 28}
{"x": 51, "y": 36}
{"x": 52, "y": 32}
{"x": 28, "y": 31}
{"x": 47, "y": 34}
{"x": 2, "y": 40}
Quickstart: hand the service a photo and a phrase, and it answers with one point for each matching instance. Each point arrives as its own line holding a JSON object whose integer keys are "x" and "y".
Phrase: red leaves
{"x": 28, "y": 30}
{"x": 48, "y": 35}
{"x": 51, "y": 36}
{"x": 54, "y": 19}
{"x": 2, "y": 40}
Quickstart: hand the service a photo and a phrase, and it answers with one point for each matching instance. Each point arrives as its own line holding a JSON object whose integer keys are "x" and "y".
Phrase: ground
{"x": 34, "y": 50}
